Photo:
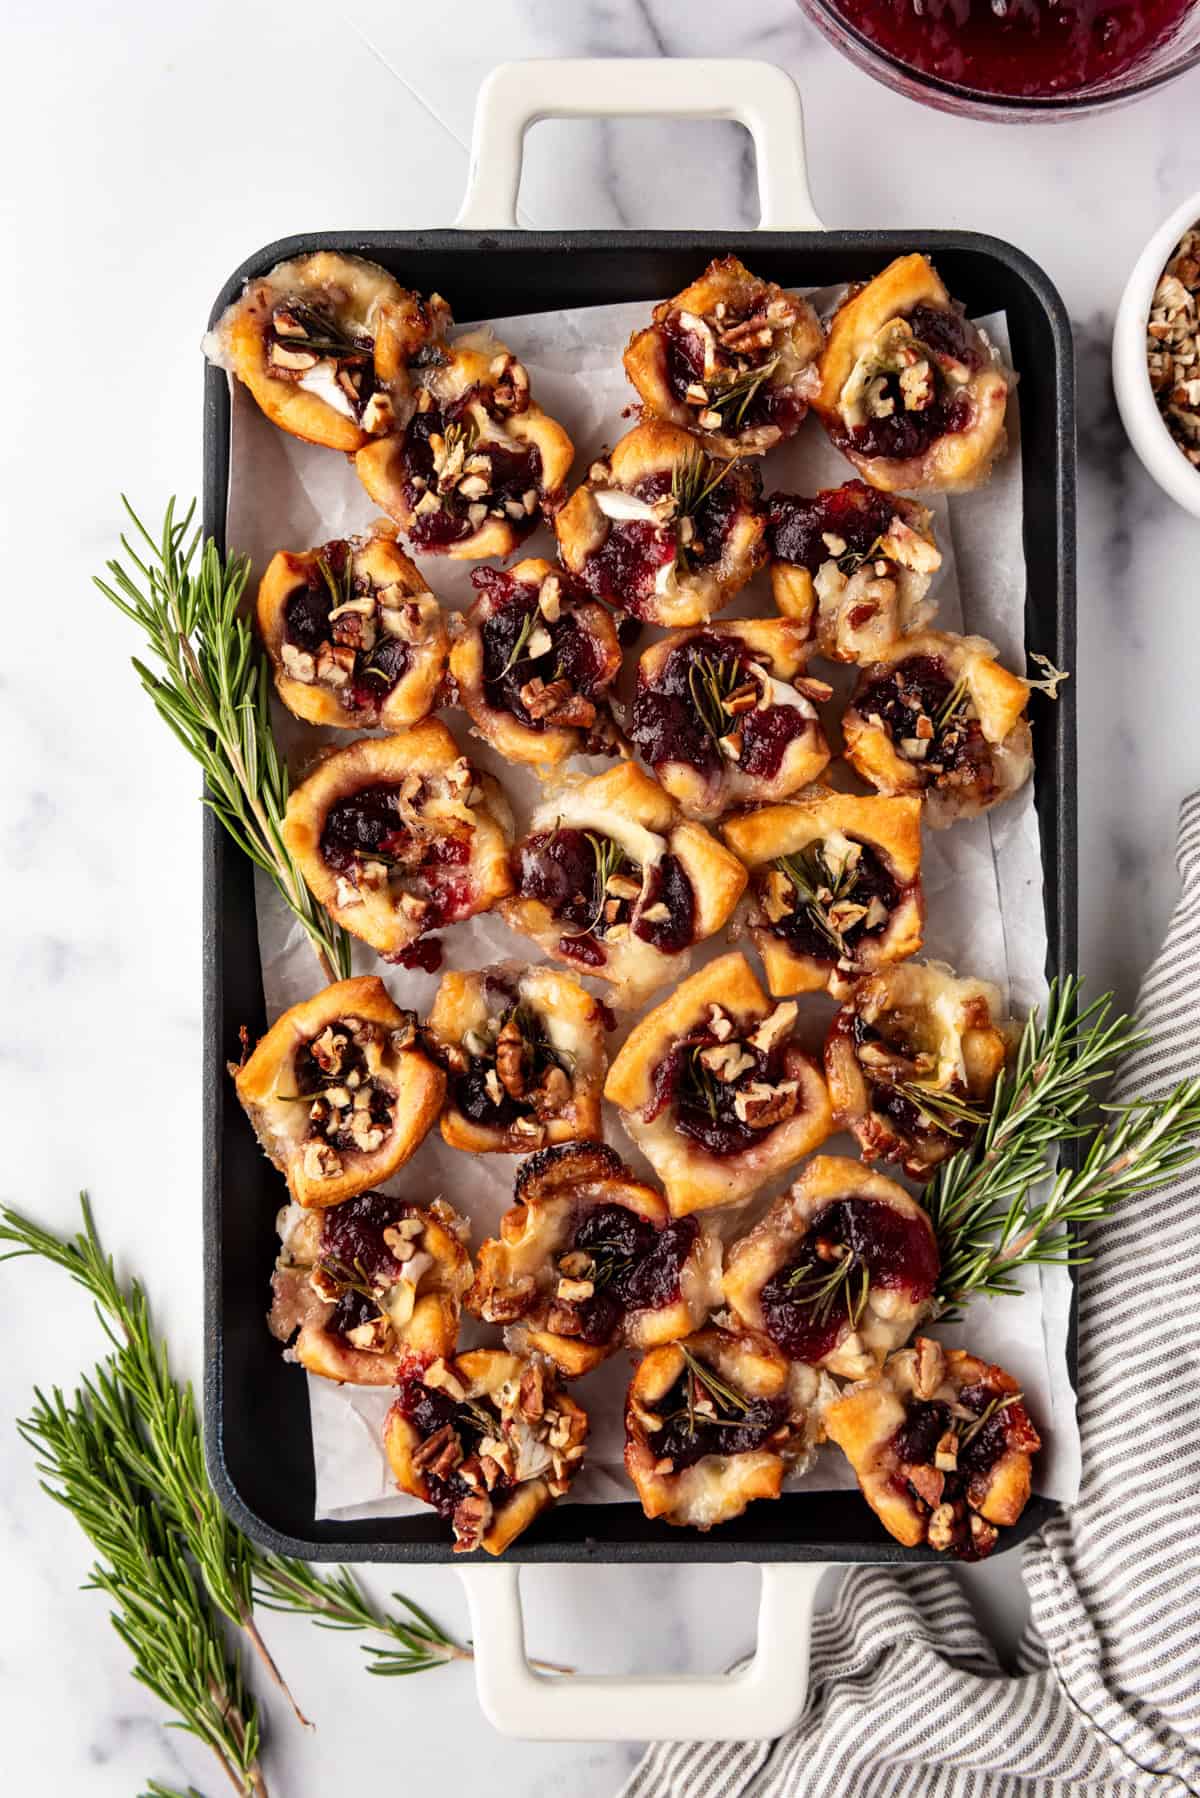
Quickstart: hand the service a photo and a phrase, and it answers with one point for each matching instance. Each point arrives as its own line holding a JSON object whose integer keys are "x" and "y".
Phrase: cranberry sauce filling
{"x": 303, "y": 333}
{"x": 854, "y": 512}
{"x": 348, "y": 654}
{"x": 822, "y": 923}
{"x": 743, "y": 401}
{"x": 682, "y": 716}
{"x": 348, "y": 1109}
{"x": 766, "y": 737}
{"x": 904, "y": 434}
{"x": 430, "y": 1412}
{"x": 719, "y": 1427}
{"x": 586, "y": 881}
{"x": 917, "y": 702}
{"x": 683, "y": 355}
{"x": 634, "y": 1266}
{"x": 508, "y": 1078}
{"x": 810, "y": 1301}
{"x": 706, "y": 1106}
{"x": 947, "y": 331}
{"x": 509, "y": 669}
{"x": 366, "y": 826}
{"x": 624, "y": 568}
{"x": 977, "y": 1448}
{"x": 444, "y": 462}
{"x": 355, "y": 1256}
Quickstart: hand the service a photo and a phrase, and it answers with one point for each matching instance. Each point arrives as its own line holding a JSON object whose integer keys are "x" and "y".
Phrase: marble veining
{"x": 175, "y": 149}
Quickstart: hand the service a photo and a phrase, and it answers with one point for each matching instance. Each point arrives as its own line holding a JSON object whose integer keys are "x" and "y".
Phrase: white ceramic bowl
{"x": 1158, "y": 451}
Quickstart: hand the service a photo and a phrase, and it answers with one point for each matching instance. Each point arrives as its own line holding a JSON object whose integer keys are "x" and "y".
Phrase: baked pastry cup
{"x": 716, "y": 1421}
{"x": 911, "y": 391}
{"x": 532, "y": 661}
{"x": 725, "y": 714}
{"x": 367, "y": 1286}
{"x": 662, "y": 530}
{"x": 835, "y": 887}
{"x": 339, "y": 1091}
{"x": 525, "y": 1055}
{"x": 613, "y": 882}
{"x": 840, "y": 1270}
{"x": 731, "y": 357}
{"x": 912, "y": 1059}
{"x": 397, "y": 836}
{"x": 853, "y": 566}
{"x": 588, "y": 1261}
{"x": 489, "y": 1440}
{"x": 715, "y": 1091}
{"x": 942, "y": 1446}
{"x": 478, "y": 465}
{"x": 326, "y": 343}
{"x": 938, "y": 715}
{"x": 355, "y": 637}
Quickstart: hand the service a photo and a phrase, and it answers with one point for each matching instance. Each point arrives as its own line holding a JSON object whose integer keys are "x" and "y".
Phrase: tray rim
{"x": 357, "y": 1543}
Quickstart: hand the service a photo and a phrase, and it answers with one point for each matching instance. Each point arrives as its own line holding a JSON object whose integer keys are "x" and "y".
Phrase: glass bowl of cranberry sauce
{"x": 1015, "y": 59}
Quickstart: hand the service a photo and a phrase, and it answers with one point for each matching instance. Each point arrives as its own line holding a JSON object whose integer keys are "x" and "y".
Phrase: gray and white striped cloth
{"x": 905, "y": 1693}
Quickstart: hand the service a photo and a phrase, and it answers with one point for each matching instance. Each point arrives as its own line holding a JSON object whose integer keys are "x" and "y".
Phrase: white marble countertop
{"x": 147, "y": 150}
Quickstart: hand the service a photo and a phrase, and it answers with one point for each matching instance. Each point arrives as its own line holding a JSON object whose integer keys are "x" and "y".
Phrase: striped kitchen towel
{"x": 906, "y": 1696}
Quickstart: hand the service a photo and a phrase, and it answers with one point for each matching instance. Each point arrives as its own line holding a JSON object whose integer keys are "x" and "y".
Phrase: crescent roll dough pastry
{"x": 731, "y": 357}
{"x": 911, "y": 391}
{"x": 715, "y": 1091}
{"x": 339, "y": 1092}
{"x": 942, "y": 1446}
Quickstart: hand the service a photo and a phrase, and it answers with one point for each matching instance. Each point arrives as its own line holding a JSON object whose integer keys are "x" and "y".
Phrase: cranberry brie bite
{"x": 731, "y": 357}
{"x": 912, "y": 1061}
{"x": 525, "y": 1054}
{"x": 715, "y": 1091}
{"x": 663, "y": 530}
{"x": 942, "y": 1446}
{"x": 835, "y": 884}
{"x": 911, "y": 391}
{"x": 725, "y": 714}
{"x": 489, "y": 1440}
{"x": 366, "y": 1286}
{"x": 478, "y": 464}
{"x": 612, "y": 881}
{"x": 853, "y": 566}
{"x": 533, "y": 661}
{"x": 938, "y": 715}
{"x": 339, "y": 1092}
{"x": 397, "y": 836}
{"x": 355, "y": 637}
{"x": 325, "y": 343}
{"x": 715, "y": 1421}
{"x": 839, "y": 1272}
{"x": 589, "y": 1261}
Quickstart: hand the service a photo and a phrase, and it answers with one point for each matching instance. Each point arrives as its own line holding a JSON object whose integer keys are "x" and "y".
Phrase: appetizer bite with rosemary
{"x": 355, "y": 637}
{"x": 478, "y": 465}
{"x": 731, "y": 357}
{"x": 716, "y": 1421}
{"x": 853, "y": 567}
{"x": 936, "y": 714}
{"x": 715, "y": 1090}
{"x": 365, "y": 1286}
{"x": 489, "y": 1440}
{"x": 588, "y": 1260}
{"x": 613, "y": 882}
{"x": 725, "y": 715}
{"x": 840, "y": 1270}
{"x": 942, "y": 1447}
{"x": 835, "y": 887}
{"x": 533, "y": 661}
{"x": 339, "y": 1091}
{"x": 397, "y": 836}
{"x": 662, "y": 530}
{"x": 327, "y": 344}
{"x": 912, "y": 1059}
{"x": 525, "y": 1059}
{"x": 911, "y": 391}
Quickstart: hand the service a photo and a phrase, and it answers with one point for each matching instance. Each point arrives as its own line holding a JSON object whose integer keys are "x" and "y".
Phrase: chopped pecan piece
{"x": 440, "y": 1453}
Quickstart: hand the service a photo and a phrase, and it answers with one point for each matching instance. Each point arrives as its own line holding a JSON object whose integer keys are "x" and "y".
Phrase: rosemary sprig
{"x": 607, "y": 857}
{"x": 517, "y": 653}
{"x": 702, "y": 1375}
{"x": 983, "y": 1202}
{"x": 337, "y": 1601}
{"x": 711, "y": 681}
{"x": 694, "y": 477}
{"x": 213, "y": 695}
{"x": 953, "y": 700}
{"x": 820, "y": 1291}
{"x": 743, "y": 388}
{"x": 810, "y": 875}
{"x": 702, "y": 1080}
{"x": 341, "y": 588}
{"x": 994, "y": 1406}
{"x": 939, "y": 1108}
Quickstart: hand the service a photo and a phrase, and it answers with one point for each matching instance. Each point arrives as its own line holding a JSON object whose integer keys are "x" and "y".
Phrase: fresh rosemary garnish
{"x": 711, "y": 681}
{"x": 125, "y": 1457}
{"x": 819, "y": 888}
{"x": 1000, "y": 1402}
{"x": 517, "y": 653}
{"x": 694, "y": 477}
{"x": 820, "y": 1290}
{"x": 953, "y": 700}
{"x": 349, "y": 1277}
{"x": 984, "y": 1202}
{"x": 702, "y": 1080}
{"x": 341, "y": 587}
{"x": 851, "y": 560}
{"x": 941, "y": 1109}
{"x": 214, "y": 697}
{"x": 742, "y": 388}
{"x": 607, "y": 858}
{"x": 701, "y": 1378}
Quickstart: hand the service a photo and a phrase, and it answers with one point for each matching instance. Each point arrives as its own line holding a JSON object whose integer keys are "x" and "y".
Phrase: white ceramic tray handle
{"x": 757, "y": 94}
{"x": 759, "y": 1701}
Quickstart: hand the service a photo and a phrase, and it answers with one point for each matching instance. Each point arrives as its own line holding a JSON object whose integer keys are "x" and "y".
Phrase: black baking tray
{"x": 256, "y": 1408}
